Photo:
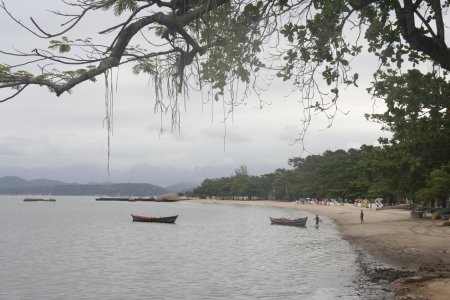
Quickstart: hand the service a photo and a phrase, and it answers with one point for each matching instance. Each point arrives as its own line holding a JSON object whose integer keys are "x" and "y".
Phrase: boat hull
{"x": 170, "y": 219}
{"x": 301, "y": 222}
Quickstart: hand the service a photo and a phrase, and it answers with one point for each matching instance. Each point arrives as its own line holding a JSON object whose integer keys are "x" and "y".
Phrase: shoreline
{"x": 411, "y": 246}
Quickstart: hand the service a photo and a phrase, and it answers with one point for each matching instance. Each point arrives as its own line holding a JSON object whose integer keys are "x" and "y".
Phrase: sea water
{"x": 79, "y": 248}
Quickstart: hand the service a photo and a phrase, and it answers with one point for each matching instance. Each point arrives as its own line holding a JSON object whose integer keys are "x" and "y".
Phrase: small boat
{"x": 300, "y": 222}
{"x": 112, "y": 199}
{"x": 170, "y": 219}
{"x": 39, "y": 199}
{"x": 33, "y": 199}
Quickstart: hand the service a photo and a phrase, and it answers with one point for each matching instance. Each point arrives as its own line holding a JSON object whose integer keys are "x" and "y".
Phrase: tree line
{"x": 413, "y": 164}
{"x": 368, "y": 172}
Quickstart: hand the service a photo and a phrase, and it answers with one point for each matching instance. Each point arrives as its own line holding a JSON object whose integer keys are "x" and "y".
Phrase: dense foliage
{"x": 369, "y": 173}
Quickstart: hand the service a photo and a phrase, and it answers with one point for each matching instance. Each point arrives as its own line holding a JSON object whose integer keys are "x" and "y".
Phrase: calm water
{"x": 77, "y": 248}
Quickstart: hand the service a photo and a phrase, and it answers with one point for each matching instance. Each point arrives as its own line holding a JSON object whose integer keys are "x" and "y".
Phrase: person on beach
{"x": 362, "y": 216}
{"x": 317, "y": 221}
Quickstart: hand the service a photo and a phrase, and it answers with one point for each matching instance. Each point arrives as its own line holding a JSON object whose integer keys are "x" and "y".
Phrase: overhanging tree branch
{"x": 431, "y": 46}
{"x": 14, "y": 95}
{"x": 174, "y": 23}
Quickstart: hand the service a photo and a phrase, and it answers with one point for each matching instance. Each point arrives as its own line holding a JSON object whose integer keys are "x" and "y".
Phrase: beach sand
{"x": 421, "y": 246}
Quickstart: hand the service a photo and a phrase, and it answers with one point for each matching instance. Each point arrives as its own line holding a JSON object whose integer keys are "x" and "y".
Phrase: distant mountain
{"x": 45, "y": 182}
{"x": 182, "y": 187}
{"x": 13, "y": 182}
{"x": 11, "y": 185}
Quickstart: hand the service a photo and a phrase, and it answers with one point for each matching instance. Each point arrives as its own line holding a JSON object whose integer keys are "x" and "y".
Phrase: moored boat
{"x": 112, "y": 199}
{"x": 170, "y": 219}
{"x": 39, "y": 199}
{"x": 300, "y": 222}
{"x": 32, "y": 199}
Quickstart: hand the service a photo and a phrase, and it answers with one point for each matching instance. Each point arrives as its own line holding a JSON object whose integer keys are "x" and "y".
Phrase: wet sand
{"x": 421, "y": 246}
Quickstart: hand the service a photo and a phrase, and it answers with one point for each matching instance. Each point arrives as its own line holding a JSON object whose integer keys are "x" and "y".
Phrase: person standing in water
{"x": 317, "y": 221}
{"x": 362, "y": 216}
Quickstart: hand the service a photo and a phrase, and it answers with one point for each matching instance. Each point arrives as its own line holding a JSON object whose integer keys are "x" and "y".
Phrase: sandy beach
{"x": 421, "y": 246}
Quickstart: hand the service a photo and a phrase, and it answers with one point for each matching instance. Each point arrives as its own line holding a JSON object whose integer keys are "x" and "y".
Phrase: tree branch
{"x": 433, "y": 47}
{"x": 360, "y": 4}
{"x": 3, "y": 6}
{"x": 440, "y": 29}
{"x": 76, "y": 20}
{"x": 175, "y": 23}
{"x": 18, "y": 92}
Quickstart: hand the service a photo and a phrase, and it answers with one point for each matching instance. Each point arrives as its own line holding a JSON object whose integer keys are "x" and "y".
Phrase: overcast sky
{"x": 63, "y": 138}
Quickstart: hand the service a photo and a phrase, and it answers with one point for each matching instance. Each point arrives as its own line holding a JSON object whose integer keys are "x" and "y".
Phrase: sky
{"x": 64, "y": 138}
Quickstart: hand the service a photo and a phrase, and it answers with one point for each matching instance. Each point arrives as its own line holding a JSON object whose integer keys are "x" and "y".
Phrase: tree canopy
{"x": 185, "y": 43}
{"x": 369, "y": 173}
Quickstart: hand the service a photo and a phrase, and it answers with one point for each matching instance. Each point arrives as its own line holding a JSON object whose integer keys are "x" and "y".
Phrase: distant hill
{"x": 13, "y": 182}
{"x": 182, "y": 187}
{"x": 12, "y": 185}
{"x": 45, "y": 182}
{"x": 9, "y": 182}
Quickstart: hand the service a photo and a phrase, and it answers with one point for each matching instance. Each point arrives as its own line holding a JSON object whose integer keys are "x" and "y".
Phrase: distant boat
{"x": 170, "y": 219}
{"x": 129, "y": 199}
{"x": 112, "y": 199}
{"x": 38, "y": 199}
{"x": 32, "y": 199}
{"x": 300, "y": 222}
